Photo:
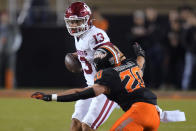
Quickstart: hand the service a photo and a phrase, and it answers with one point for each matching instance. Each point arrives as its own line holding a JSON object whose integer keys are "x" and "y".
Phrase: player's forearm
{"x": 85, "y": 94}
{"x": 72, "y": 94}
{"x": 75, "y": 53}
{"x": 71, "y": 91}
{"x": 140, "y": 61}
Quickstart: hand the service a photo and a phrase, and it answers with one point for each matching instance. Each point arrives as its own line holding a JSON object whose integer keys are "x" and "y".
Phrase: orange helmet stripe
{"x": 114, "y": 53}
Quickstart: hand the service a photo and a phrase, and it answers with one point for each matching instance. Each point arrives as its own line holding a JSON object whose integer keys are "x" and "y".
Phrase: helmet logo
{"x": 69, "y": 10}
{"x": 87, "y": 8}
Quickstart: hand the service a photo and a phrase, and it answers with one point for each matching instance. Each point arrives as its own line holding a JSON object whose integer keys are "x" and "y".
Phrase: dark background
{"x": 40, "y": 61}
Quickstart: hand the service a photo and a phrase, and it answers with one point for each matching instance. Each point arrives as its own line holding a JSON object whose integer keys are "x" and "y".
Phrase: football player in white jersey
{"x": 91, "y": 113}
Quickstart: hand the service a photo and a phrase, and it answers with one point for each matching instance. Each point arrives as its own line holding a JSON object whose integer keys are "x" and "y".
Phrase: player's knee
{"x": 76, "y": 125}
{"x": 86, "y": 127}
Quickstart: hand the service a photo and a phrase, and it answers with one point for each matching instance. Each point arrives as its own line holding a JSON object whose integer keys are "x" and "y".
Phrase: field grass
{"x": 34, "y": 115}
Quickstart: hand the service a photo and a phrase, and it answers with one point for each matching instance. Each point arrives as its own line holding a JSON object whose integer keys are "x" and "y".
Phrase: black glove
{"x": 138, "y": 50}
{"x": 41, "y": 96}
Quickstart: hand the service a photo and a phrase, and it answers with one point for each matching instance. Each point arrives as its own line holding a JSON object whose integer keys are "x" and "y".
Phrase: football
{"x": 72, "y": 63}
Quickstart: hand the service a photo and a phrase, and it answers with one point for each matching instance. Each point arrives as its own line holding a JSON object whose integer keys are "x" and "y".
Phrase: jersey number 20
{"x": 133, "y": 75}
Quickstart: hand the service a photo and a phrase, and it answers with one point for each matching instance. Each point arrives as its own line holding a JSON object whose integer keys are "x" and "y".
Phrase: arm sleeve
{"x": 88, "y": 93}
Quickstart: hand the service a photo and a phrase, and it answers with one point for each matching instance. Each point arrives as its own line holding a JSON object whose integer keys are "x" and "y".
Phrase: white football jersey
{"x": 86, "y": 46}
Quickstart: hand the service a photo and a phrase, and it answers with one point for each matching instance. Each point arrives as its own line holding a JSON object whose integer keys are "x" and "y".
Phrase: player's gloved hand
{"x": 41, "y": 96}
{"x": 138, "y": 50}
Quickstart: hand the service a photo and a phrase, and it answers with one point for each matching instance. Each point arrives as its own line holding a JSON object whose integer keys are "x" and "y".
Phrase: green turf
{"x": 34, "y": 115}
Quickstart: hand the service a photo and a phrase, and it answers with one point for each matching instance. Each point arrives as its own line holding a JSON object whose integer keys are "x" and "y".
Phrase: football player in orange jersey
{"x": 121, "y": 81}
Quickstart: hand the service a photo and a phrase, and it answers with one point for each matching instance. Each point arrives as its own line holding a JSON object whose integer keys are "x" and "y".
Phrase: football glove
{"x": 41, "y": 96}
{"x": 138, "y": 50}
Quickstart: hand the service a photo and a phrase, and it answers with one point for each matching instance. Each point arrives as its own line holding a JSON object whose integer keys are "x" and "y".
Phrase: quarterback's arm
{"x": 75, "y": 54}
{"x": 73, "y": 94}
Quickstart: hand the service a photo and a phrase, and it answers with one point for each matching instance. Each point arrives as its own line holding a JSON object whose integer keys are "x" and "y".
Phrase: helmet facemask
{"x": 76, "y": 26}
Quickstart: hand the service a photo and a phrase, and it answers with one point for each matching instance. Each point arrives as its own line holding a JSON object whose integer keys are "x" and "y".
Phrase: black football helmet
{"x": 106, "y": 56}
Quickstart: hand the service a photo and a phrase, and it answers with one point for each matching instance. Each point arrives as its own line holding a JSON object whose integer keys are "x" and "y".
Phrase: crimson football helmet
{"x": 77, "y": 18}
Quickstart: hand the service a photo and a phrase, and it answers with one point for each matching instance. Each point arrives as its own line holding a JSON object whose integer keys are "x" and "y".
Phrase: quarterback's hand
{"x": 138, "y": 50}
{"x": 41, "y": 96}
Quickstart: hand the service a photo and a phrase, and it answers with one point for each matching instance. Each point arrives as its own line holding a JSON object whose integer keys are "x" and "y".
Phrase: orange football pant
{"x": 140, "y": 117}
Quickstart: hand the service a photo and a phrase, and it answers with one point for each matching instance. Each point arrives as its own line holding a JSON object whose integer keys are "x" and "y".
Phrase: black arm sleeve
{"x": 89, "y": 93}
